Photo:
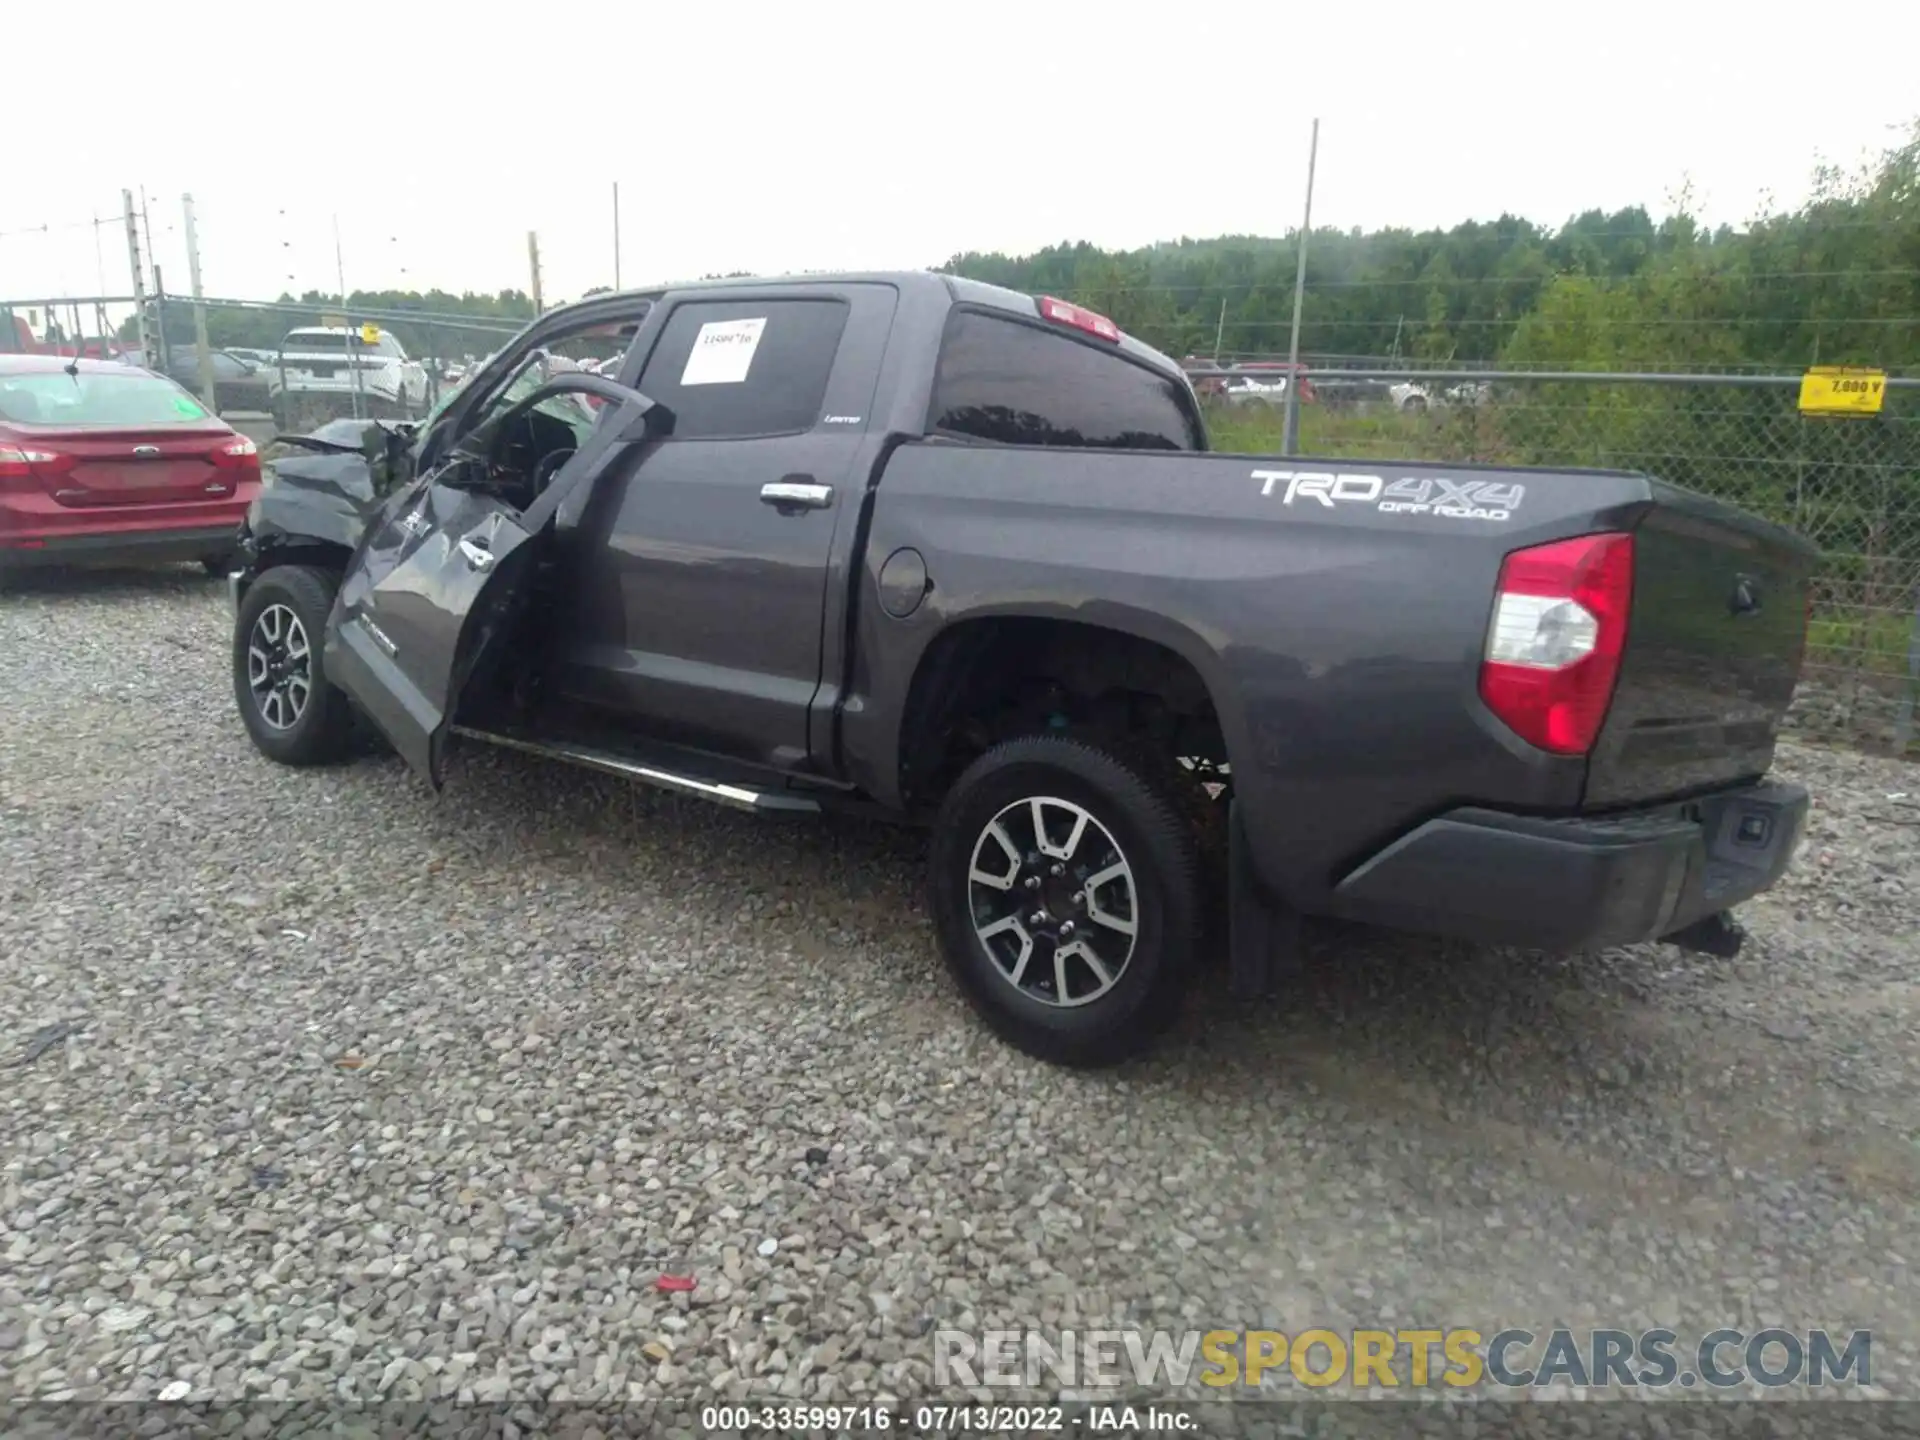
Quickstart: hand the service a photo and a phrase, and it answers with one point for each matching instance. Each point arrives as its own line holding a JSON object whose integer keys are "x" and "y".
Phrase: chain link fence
{"x": 296, "y": 366}
{"x": 274, "y": 367}
{"x": 1851, "y": 484}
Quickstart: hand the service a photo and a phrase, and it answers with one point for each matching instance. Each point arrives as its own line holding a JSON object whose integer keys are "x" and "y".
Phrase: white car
{"x": 1472, "y": 392}
{"x": 324, "y": 358}
{"x": 1265, "y": 388}
{"x": 1408, "y": 397}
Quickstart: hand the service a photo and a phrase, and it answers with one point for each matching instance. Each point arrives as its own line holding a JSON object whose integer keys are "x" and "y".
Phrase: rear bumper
{"x": 195, "y": 542}
{"x": 1582, "y": 883}
{"x": 385, "y": 387}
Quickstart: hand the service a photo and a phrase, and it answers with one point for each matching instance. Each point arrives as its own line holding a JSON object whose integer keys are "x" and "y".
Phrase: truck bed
{"x": 1339, "y": 619}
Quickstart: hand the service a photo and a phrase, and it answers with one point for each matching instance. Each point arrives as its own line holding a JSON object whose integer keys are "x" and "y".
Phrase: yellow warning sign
{"x": 1842, "y": 390}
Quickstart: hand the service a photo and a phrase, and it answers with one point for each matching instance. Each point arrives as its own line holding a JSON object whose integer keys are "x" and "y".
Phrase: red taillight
{"x": 1062, "y": 312}
{"x": 20, "y": 463}
{"x": 236, "y": 454}
{"x": 239, "y": 456}
{"x": 1554, "y": 644}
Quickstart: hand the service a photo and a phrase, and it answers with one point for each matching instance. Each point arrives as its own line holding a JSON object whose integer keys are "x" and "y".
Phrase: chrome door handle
{"x": 786, "y": 495}
{"x": 478, "y": 557}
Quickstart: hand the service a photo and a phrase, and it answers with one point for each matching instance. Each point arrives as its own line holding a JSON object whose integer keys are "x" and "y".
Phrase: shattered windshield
{"x": 588, "y": 348}
{"x": 569, "y": 410}
{"x": 539, "y": 367}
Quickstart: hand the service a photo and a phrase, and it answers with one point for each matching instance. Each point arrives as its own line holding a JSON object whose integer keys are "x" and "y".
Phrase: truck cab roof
{"x": 960, "y": 290}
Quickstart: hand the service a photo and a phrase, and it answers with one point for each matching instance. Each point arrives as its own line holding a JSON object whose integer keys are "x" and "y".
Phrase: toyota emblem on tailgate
{"x": 145, "y": 452}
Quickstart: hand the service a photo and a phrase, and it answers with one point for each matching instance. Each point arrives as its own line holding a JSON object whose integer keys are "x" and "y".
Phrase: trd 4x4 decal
{"x": 1413, "y": 495}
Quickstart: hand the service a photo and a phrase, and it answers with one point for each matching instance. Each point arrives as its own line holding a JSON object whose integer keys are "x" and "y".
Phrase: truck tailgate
{"x": 1713, "y": 652}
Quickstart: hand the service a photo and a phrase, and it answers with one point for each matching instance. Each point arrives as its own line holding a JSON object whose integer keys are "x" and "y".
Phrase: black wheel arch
{"x": 261, "y": 553}
{"x": 1153, "y": 677}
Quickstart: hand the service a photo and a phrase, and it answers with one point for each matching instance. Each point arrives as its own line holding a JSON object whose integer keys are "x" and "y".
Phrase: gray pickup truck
{"x": 907, "y": 544}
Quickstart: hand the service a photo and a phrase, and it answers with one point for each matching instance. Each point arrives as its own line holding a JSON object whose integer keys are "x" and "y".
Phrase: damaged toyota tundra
{"x": 912, "y": 545}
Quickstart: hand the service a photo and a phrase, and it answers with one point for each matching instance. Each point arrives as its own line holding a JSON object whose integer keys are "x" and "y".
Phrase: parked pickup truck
{"x": 910, "y": 544}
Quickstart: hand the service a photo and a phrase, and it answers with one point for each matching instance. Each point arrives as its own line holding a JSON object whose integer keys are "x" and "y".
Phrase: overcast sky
{"x": 843, "y": 135}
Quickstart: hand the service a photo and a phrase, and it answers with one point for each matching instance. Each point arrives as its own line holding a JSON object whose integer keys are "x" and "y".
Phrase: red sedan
{"x": 100, "y": 460}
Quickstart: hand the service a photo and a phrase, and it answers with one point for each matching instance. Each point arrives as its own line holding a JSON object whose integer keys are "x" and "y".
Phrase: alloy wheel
{"x": 1053, "y": 901}
{"x": 279, "y": 667}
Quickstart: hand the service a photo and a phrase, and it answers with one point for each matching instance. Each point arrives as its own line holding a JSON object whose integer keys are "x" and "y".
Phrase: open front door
{"x": 441, "y": 575}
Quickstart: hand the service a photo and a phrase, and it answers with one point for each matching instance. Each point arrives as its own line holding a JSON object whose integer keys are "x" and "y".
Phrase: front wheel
{"x": 1066, "y": 893}
{"x": 293, "y": 713}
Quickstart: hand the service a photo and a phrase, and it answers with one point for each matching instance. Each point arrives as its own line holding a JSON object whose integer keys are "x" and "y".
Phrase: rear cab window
{"x": 1013, "y": 382}
{"x": 739, "y": 369}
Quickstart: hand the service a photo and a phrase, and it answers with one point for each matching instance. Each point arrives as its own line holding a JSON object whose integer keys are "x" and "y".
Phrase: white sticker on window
{"x": 722, "y": 352}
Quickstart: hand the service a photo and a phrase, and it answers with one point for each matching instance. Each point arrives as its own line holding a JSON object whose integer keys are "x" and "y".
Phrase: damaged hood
{"x": 327, "y": 484}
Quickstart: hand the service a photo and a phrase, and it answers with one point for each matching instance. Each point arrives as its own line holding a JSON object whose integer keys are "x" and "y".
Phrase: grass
{"x": 1257, "y": 430}
{"x": 1456, "y": 435}
{"x": 1873, "y": 642}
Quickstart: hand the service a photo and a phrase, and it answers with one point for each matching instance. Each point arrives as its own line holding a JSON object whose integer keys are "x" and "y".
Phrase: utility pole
{"x": 533, "y": 261}
{"x": 159, "y": 315}
{"x": 353, "y": 357}
{"x": 339, "y": 263}
{"x": 146, "y": 239}
{"x": 137, "y": 265}
{"x": 616, "y": 234}
{"x": 1290, "y": 436}
{"x": 1219, "y": 332}
{"x": 203, "y": 351}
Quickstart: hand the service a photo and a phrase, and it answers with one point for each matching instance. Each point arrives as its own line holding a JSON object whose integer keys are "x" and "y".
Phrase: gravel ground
{"x": 313, "y": 1086}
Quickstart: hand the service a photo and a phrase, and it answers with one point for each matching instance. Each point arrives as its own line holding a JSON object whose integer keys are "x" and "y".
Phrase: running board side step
{"x": 738, "y": 797}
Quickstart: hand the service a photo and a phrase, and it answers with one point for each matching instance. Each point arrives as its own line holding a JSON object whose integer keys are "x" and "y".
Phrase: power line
{"x": 52, "y": 229}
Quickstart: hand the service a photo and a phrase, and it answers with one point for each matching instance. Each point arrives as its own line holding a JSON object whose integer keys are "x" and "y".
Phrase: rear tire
{"x": 292, "y": 713}
{"x": 1088, "y": 813}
